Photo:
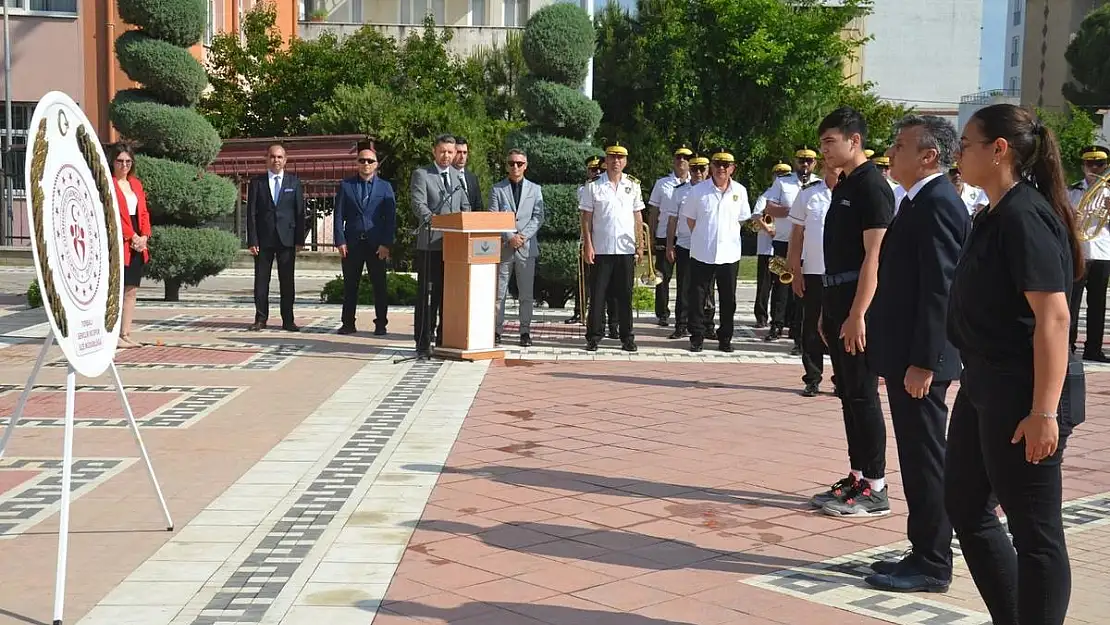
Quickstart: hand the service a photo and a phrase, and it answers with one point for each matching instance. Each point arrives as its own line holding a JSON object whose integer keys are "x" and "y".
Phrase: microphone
{"x": 443, "y": 200}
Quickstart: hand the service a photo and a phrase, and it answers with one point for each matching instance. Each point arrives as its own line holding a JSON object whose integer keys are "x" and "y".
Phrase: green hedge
{"x": 643, "y": 298}
{"x": 552, "y": 159}
{"x": 558, "y": 42}
{"x": 560, "y": 110}
{"x": 185, "y": 256}
{"x": 182, "y": 194}
{"x": 34, "y": 295}
{"x": 180, "y": 22}
{"x": 178, "y": 133}
{"x": 561, "y": 218}
{"x": 401, "y": 288}
{"x": 166, "y": 71}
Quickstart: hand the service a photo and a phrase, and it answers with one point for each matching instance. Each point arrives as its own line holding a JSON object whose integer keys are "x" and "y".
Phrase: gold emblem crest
{"x": 736, "y": 197}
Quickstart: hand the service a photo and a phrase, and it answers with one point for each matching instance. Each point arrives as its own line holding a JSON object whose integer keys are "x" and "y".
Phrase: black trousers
{"x": 1028, "y": 581}
{"x": 263, "y": 268}
{"x": 813, "y": 349}
{"x": 1094, "y": 282}
{"x": 919, "y": 432}
{"x": 361, "y": 254}
{"x": 703, "y": 277}
{"x": 610, "y": 301}
{"x": 763, "y": 281}
{"x": 663, "y": 289}
{"x": 681, "y": 269}
{"x": 429, "y": 275}
{"x": 613, "y": 273}
{"x": 859, "y": 388}
{"x": 782, "y": 296}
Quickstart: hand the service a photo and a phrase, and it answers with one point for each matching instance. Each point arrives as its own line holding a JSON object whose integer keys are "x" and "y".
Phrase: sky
{"x": 991, "y": 52}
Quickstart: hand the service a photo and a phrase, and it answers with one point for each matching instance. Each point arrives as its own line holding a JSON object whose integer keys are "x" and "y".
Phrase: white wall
{"x": 1011, "y": 73}
{"x": 924, "y": 53}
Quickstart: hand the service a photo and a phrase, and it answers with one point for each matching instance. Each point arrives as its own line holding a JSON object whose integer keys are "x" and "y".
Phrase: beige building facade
{"x": 1049, "y": 28}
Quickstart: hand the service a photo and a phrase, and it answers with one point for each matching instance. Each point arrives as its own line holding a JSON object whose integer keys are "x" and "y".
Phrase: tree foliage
{"x": 175, "y": 142}
{"x": 1087, "y": 59}
{"x": 1074, "y": 130}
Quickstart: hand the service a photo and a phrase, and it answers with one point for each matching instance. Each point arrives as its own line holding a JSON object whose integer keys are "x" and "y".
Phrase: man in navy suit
{"x": 365, "y": 224}
{"x": 907, "y": 341}
{"x": 275, "y": 231}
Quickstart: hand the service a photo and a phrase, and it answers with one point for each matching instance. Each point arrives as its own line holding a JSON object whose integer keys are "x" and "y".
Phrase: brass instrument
{"x": 763, "y": 221}
{"x": 1092, "y": 214}
{"x": 778, "y": 266}
{"x": 645, "y": 268}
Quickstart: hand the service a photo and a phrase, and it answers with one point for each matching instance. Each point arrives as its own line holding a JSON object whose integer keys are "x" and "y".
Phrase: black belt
{"x": 837, "y": 279}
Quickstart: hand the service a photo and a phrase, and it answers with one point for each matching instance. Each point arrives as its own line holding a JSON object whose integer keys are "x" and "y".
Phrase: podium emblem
{"x": 485, "y": 247}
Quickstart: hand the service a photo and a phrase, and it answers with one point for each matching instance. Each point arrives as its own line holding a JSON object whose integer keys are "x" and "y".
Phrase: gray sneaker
{"x": 860, "y": 500}
{"x": 835, "y": 491}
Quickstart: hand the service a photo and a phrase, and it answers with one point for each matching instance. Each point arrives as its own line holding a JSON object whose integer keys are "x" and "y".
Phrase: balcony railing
{"x": 464, "y": 39}
{"x": 986, "y": 97}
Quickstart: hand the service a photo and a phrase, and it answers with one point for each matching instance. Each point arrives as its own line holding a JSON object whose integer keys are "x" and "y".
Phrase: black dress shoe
{"x": 574, "y": 319}
{"x": 773, "y": 334}
{"x": 257, "y": 326}
{"x": 711, "y": 335}
{"x": 890, "y": 567}
{"x": 629, "y": 346}
{"x": 759, "y": 325}
{"x": 796, "y": 351}
{"x": 346, "y": 329}
{"x": 525, "y": 340}
{"x": 725, "y": 346}
{"x": 811, "y": 390}
{"x": 496, "y": 339}
{"x": 379, "y": 331}
{"x": 679, "y": 333}
{"x": 290, "y": 327}
{"x": 591, "y": 346}
{"x": 663, "y": 322}
{"x": 613, "y": 333}
{"x": 1096, "y": 357}
{"x": 906, "y": 581}
{"x": 695, "y": 346}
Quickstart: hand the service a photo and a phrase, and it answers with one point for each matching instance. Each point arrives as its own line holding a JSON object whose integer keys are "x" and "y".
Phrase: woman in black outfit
{"x": 1008, "y": 315}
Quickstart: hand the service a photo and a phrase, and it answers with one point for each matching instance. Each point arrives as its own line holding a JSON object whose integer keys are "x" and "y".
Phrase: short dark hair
{"x": 460, "y": 140}
{"x": 517, "y": 152}
{"x": 845, "y": 120}
{"x": 446, "y": 138}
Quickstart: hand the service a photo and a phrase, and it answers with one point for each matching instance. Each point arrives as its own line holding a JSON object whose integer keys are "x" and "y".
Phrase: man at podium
{"x": 435, "y": 190}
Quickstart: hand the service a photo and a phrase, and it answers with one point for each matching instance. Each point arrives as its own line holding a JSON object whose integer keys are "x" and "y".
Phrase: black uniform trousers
{"x": 361, "y": 253}
{"x": 663, "y": 290}
{"x": 263, "y": 267}
{"x": 763, "y": 281}
{"x": 429, "y": 275}
{"x": 581, "y": 308}
{"x": 813, "y": 349}
{"x": 1094, "y": 281}
{"x": 612, "y": 273}
{"x": 919, "y": 432}
{"x": 782, "y": 296}
{"x": 684, "y": 299}
{"x": 858, "y": 387}
{"x": 703, "y": 277}
{"x": 1026, "y": 581}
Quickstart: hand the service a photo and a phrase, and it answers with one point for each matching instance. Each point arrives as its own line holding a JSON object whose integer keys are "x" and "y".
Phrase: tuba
{"x": 645, "y": 269}
{"x": 778, "y": 266}
{"x": 1092, "y": 214}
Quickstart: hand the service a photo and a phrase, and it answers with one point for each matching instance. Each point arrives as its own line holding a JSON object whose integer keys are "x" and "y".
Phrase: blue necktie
{"x": 277, "y": 188}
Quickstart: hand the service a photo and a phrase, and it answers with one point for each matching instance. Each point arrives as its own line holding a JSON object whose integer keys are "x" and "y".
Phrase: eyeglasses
{"x": 698, "y": 167}
{"x": 682, "y": 157}
{"x": 123, "y": 161}
{"x": 516, "y": 163}
{"x": 1094, "y": 164}
{"x": 367, "y": 161}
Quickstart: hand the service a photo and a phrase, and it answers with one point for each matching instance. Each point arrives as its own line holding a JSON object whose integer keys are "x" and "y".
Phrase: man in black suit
{"x": 275, "y": 231}
{"x": 469, "y": 180}
{"x": 907, "y": 341}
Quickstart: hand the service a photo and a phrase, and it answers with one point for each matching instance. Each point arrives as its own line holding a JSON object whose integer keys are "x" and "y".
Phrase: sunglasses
{"x": 123, "y": 161}
{"x": 699, "y": 167}
{"x": 367, "y": 161}
{"x": 809, "y": 161}
{"x": 516, "y": 163}
{"x": 682, "y": 157}
{"x": 721, "y": 163}
{"x": 1094, "y": 164}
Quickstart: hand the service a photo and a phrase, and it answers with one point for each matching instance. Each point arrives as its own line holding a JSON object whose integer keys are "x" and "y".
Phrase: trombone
{"x": 1092, "y": 214}
{"x": 646, "y": 275}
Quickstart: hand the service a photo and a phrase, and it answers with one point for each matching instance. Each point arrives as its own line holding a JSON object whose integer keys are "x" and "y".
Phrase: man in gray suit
{"x": 435, "y": 190}
{"x": 519, "y": 250}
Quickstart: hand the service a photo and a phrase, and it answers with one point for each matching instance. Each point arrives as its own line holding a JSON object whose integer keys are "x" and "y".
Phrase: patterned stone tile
{"x": 223, "y": 323}
{"x": 35, "y": 493}
{"x": 98, "y": 406}
{"x": 207, "y": 356}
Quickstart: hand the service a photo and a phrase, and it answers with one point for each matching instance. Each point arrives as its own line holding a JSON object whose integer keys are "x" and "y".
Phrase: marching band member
{"x": 715, "y": 210}
{"x": 1097, "y": 253}
{"x": 807, "y": 261}
{"x": 973, "y": 197}
{"x": 764, "y": 251}
{"x": 663, "y": 189}
{"x": 883, "y": 163}
{"x": 612, "y": 225}
{"x": 594, "y": 168}
{"x": 678, "y": 245}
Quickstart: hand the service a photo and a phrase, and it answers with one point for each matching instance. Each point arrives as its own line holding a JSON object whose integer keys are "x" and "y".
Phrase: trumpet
{"x": 1092, "y": 214}
{"x": 646, "y": 275}
{"x": 764, "y": 221}
{"x": 778, "y": 266}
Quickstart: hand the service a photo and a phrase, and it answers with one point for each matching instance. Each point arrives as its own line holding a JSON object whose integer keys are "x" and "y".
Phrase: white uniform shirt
{"x": 974, "y": 198}
{"x": 784, "y": 190}
{"x": 670, "y": 209}
{"x": 613, "y": 213}
{"x": 808, "y": 211}
{"x": 763, "y": 245}
{"x": 719, "y": 217}
{"x": 663, "y": 189}
{"x": 1097, "y": 248}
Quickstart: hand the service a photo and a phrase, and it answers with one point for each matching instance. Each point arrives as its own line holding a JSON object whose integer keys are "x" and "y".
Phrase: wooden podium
{"x": 471, "y": 253}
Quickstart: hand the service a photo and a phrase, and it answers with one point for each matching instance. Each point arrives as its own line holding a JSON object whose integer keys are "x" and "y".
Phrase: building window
{"x": 1015, "y": 46}
{"x": 516, "y": 13}
{"x": 478, "y": 13}
{"x": 1017, "y": 13}
{"x": 68, "y": 7}
{"x": 414, "y": 11}
{"x": 21, "y": 121}
{"x": 1013, "y": 85}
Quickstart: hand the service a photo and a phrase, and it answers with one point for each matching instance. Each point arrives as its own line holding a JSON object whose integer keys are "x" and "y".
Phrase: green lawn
{"x": 747, "y": 267}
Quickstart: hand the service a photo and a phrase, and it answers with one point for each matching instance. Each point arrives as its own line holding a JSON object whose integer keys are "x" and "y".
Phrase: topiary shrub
{"x": 401, "y": 290}
{"x": 175, "y": 142}
{"x": 34, "y": 295}
{"x": 557, "y": 44}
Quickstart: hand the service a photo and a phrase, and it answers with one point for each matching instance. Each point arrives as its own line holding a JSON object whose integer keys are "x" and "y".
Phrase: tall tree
{"x": 1088, "y": 61}
{"x": 175, "y": 142}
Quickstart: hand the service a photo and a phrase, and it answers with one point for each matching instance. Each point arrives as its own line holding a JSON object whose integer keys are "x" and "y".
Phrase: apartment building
{"x": 1015, "y": 46}
{"x": 1049, "y": 28}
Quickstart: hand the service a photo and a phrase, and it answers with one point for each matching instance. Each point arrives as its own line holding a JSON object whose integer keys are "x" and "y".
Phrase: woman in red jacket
{"x": 135, "y": 221}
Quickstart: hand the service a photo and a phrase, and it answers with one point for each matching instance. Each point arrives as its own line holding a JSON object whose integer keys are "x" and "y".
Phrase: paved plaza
{"x": 317, "y": 479}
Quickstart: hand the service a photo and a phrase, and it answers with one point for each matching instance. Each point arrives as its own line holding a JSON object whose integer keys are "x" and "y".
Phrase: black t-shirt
{"x": 1018, "y": 246}
{"x": 863, "y": 200}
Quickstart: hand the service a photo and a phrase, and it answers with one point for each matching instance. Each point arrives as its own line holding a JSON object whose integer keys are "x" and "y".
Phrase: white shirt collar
{"x": 915, "y": 189}
{"x": 443, "y": 170}
{"x": 273, "y": 175}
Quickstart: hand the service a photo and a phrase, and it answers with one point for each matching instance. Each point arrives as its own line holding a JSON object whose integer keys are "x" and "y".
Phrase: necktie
{"x": 446, "y": 185}
{"x": 277, "y": 188}
{"x": 903, "y": 204}
{"x": 462, "y": 181}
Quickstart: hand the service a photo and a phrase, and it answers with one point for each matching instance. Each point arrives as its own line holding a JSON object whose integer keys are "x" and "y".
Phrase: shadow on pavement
{"x": 671, "y": 383}
{"x": 555, "y": 614}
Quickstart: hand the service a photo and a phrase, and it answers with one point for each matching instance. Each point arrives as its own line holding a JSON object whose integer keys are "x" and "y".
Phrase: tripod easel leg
{"x": 142, "y": 447}
{"x": 17, "y": 414}
{"x": 67, "y": 474}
